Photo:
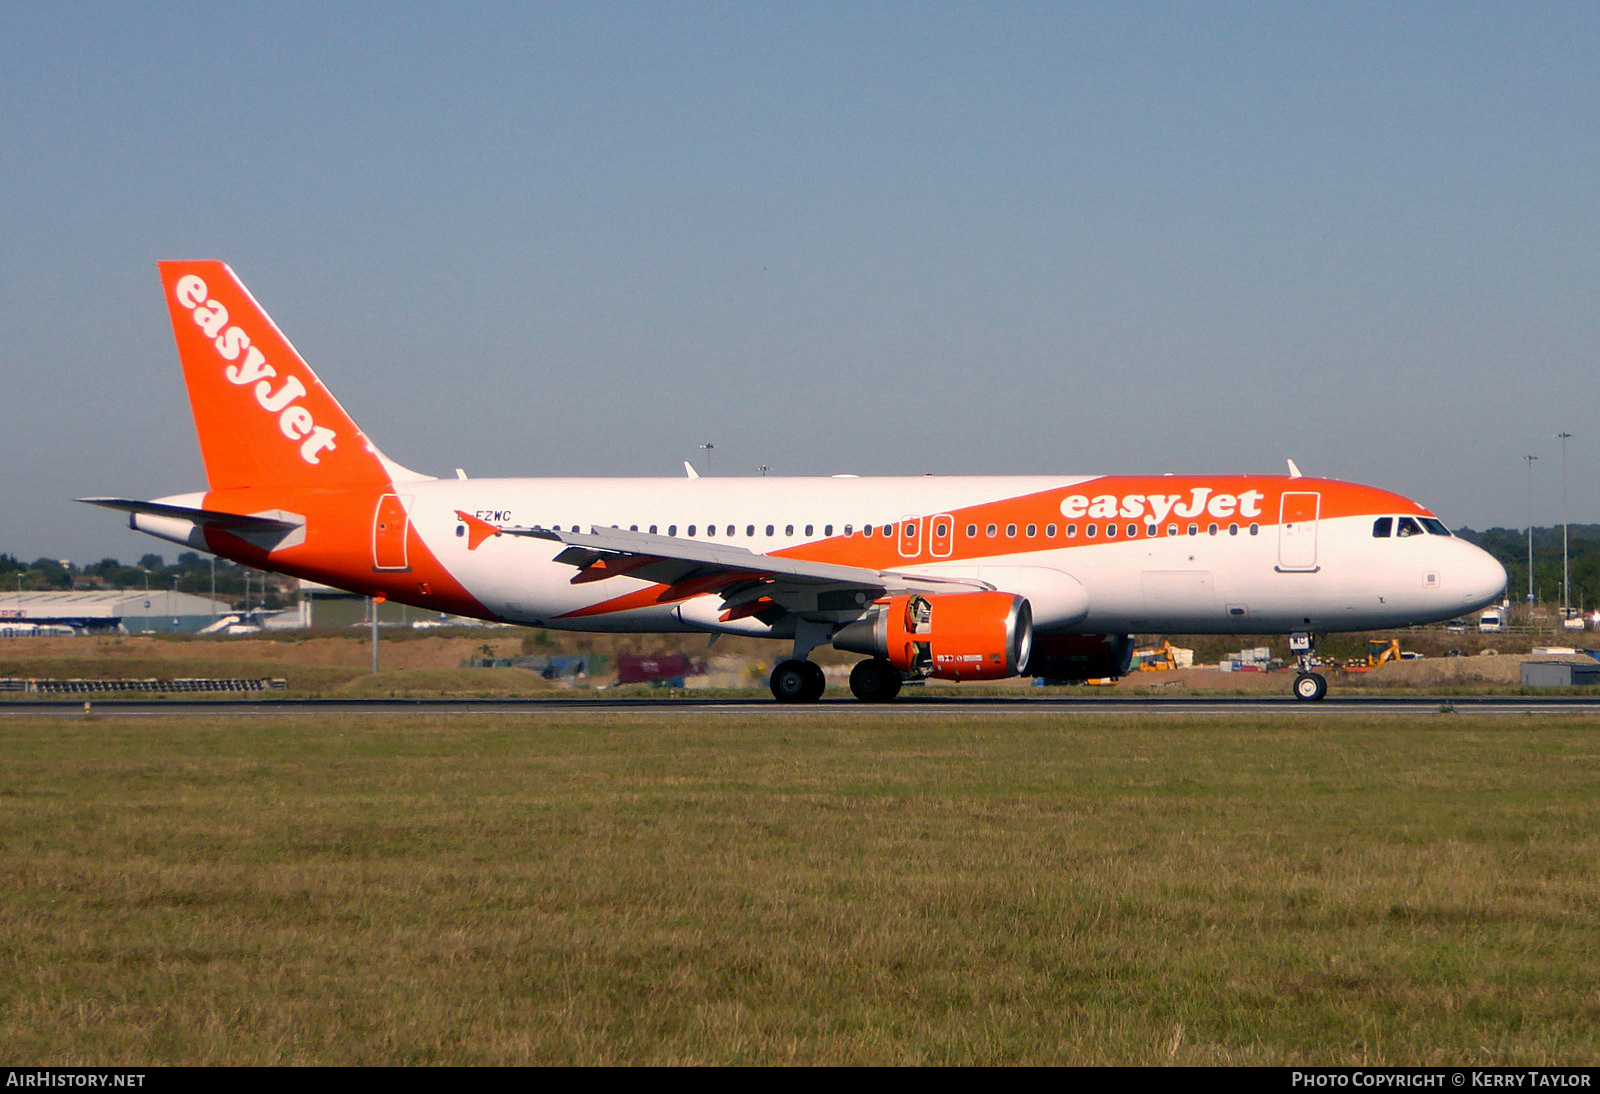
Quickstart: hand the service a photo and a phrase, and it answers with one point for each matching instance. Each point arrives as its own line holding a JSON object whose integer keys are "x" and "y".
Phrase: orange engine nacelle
{"x": 952, "y": 636}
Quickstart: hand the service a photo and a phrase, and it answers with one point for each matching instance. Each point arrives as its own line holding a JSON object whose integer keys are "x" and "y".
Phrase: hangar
{"x": 95, "y": 611}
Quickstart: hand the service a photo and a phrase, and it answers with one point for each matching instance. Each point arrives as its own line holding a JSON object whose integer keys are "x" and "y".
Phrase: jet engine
{"x": 951, "y": 636}
{"x": 1079, "y": 657}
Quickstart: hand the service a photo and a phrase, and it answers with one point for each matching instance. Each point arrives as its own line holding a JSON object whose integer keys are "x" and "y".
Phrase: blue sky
{"x": 567, "y": 239}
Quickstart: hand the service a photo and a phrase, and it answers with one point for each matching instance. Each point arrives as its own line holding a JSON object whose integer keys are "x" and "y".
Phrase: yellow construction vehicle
{"x": 1156, "y": 659}
{"x": 1379, "y": 651}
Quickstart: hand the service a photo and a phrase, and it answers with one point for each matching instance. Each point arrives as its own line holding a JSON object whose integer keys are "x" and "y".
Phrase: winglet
{"x": 1294, "y": 472}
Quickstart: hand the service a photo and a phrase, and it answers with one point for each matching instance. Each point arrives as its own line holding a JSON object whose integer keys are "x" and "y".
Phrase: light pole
{"x": 1530, "y": 460}
{"x": 1564, "y": 438}
{"x": 708, "y": 446}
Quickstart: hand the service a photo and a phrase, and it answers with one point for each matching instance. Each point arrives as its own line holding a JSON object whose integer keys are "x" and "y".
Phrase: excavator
{"x": 1379, "y": 651}
{"x": 1156, "y": 658}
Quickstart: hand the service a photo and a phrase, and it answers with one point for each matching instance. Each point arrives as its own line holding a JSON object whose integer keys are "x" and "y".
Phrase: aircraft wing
{"x": 749, "y": 583}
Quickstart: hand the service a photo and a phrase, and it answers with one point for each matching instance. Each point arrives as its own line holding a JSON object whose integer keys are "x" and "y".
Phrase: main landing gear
{"x": 1309, "y": 686}
{"x": 875, "y": 681}
{"x": 800, "y": 681}
{"x": 797, "y": 681}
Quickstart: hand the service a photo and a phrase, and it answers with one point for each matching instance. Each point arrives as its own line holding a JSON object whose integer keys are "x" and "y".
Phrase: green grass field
{"x": 663, "y": 888}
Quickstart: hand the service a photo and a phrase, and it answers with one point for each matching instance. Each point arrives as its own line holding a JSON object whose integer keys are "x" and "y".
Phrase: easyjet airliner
{"x": 950, "y": 578}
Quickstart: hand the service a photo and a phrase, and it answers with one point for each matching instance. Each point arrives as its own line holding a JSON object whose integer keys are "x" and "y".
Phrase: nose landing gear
{"x": 1308, "y": 686}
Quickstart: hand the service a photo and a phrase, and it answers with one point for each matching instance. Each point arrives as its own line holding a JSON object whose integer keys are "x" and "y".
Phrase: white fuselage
{"x": 1236, "y": 575}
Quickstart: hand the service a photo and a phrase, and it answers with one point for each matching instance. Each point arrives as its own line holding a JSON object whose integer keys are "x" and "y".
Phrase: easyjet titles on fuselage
{"x": 1157, "y": 507}
{"x": 294, "y": 420}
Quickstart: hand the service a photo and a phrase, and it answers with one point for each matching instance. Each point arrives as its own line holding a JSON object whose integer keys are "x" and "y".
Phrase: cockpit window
{"x": 1381, "y": 526}
{"x": 1407, "y": 527}
{"x": 1435, "y": 526}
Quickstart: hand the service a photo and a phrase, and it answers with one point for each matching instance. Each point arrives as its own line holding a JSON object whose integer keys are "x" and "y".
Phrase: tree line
{"x": 1510, "y": 547}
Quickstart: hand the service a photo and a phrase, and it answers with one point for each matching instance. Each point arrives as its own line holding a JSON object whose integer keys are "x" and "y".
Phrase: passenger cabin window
{"x": 1381, "y": 526}
{"x": 1407, "y": 527}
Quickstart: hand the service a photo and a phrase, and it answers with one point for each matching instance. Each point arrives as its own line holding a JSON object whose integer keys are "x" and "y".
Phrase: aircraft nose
{"x": 1482, "y": 578}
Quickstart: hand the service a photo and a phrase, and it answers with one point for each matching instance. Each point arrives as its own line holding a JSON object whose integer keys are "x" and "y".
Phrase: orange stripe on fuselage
{"x": 1137, "y": 500}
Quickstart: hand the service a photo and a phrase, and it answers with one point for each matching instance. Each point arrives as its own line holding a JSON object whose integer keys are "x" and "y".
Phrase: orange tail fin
{"x": 263, "y": 417}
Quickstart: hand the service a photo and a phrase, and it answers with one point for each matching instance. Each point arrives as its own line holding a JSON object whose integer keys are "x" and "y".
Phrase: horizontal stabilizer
{"x": 210, "y": 518}
{"x": 190, "y": 524}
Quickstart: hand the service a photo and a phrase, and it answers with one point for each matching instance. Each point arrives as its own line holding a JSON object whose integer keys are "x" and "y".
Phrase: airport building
{"x": 94, "y": 611}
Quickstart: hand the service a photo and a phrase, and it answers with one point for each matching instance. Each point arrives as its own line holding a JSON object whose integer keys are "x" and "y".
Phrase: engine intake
{"x": 950, "y": 636}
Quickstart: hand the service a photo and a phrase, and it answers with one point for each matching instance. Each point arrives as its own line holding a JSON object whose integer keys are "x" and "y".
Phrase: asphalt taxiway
{"x": 910, "y": 707}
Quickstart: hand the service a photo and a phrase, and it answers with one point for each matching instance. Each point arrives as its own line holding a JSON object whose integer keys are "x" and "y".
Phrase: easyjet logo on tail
{"x": 295, "y": 421}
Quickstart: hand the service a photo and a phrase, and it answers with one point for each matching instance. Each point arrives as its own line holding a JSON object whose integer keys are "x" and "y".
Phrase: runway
{"x": 906, "y": 707}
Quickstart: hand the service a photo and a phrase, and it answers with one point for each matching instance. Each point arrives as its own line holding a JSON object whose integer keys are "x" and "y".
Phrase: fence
{"x": 78, "y": 686}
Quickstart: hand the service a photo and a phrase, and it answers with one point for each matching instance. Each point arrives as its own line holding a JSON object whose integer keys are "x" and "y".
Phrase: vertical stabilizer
{"x": 263, "y": 417}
